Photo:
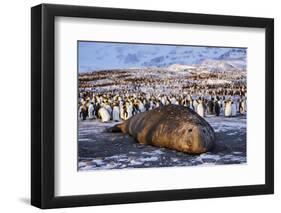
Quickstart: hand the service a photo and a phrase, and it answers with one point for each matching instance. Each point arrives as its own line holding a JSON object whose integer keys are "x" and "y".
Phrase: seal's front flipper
{"x": 115, "y": 128}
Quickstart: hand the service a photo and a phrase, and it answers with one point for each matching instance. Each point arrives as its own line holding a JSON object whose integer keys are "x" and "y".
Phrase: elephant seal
{"x": 171, "y": 126}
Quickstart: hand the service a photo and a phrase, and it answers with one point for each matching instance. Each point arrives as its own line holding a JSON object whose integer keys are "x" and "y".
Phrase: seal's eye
{"x": 189, "y": 143}
{"x": 190, "y": 130}
{"x": 204, "y": 131}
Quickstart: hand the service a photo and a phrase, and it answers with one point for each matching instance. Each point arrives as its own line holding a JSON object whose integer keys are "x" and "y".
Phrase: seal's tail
{"x": 115, "y": 128}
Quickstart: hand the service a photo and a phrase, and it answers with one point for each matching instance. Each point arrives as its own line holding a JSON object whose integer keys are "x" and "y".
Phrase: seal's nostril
{"x": 190, "y": 130}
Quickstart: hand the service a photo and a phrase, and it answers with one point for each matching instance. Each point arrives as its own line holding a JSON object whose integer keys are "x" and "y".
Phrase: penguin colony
{"x": 118, "y": 107}
{"x": 116, "y": 95}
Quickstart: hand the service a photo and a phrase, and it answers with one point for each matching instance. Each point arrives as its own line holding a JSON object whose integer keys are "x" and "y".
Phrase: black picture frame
{"x": 43, "y": 117}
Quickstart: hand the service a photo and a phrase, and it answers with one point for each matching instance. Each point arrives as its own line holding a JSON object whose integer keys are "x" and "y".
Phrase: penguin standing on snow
{"x": 141, "y": 106}
{"x": 91, "y": 111}
{"x": 221, "y": 103}
{"x": 123, "y": 112}
{"x": 211, "y": 106}
{"x": 189, "y": 104}
{"x": 146, "y": 105}
{"x": 227, "y": 109}
{"x": 233, "y": 108}
{"x": 201, "y": 108}
{"x": 243, "y": 105}
{"x": 136, "y": 108}
{"x": 116, "y": 113}
{"x": 103, "y": 113}
{"x": 217, "y": 108}
{"x": 151, "y": 105}
{"x": 107, "y": 106}
{"x": 195, "y": 105}
{"x": 129, "y": 109}
{"x": 96, "y": 110}
{"x": 83, "y": 112}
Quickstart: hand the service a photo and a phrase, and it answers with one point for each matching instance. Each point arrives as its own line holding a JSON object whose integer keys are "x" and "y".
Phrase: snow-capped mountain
{"x": 181, "y": 67}
{"x": 101, "y": 56}
{"x": 224, "y": 65}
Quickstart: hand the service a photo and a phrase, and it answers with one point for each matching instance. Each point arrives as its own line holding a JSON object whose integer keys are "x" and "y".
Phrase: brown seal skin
{"x": 171, "y": 126}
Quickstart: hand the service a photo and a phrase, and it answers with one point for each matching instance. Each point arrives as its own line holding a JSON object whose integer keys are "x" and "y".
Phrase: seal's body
{"x": 172, "y": 126}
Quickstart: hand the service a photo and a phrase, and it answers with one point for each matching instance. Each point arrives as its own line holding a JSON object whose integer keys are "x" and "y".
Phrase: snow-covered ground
{"x": 100, "y": 150}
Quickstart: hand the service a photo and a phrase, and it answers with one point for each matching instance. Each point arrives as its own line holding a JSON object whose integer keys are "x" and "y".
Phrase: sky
{"x": 93, "y": 56}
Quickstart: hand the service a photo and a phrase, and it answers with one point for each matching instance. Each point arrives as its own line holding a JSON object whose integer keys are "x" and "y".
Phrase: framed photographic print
{"x": 139, "y": 106}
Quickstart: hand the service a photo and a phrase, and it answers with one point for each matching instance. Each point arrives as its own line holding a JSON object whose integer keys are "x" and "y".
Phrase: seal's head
{"x": 198, "y": 139}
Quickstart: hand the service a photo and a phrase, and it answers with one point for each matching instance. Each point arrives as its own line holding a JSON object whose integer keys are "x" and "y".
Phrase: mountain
{"x": 224, "y": 65}
{"x": 101, "y": 56}
{"x": 181, "y": 67}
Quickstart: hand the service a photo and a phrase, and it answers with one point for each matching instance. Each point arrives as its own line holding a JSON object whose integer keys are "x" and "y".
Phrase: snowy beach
{"x": 100, "y": 150}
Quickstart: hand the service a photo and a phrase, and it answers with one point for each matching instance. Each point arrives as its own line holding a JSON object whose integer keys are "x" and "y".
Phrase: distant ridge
{"x": 106, "y": 56}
